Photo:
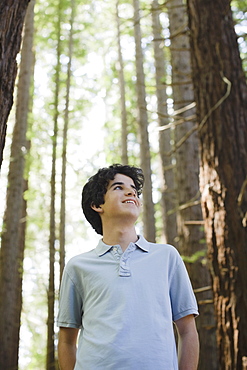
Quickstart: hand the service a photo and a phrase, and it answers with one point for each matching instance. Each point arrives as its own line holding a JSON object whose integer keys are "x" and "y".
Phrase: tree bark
{"x": 167, "y": 174}
{"x": 148, "y": 206}
{"x": 62, "y": 225}
{"x": 12, "y": 248}
{"x": 189, "y": 212}
{"x": 186, "y": 147}
{"x": 50, "y": 352}
{"x": 221, "y": 95}
{"x": 124, "y": 124}
{"x": 12, "y": 14}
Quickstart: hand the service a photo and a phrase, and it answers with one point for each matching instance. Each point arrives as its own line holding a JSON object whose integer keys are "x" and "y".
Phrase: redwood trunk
{"x": 221, "y": 95}
{"x": 124, "y": 124}
{"x": 50, "y": 353}
{"x": 12, "y": 246}
{"x": 148, "y": 205}
{"x": 168, "y": 193}
{"x": 189, "y": 214}
{"x": 12, "y": 14}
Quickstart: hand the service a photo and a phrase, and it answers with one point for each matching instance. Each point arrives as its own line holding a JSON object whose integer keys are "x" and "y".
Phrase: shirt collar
{"x": 142, "y": 243}
{"x": 102, "y": 248}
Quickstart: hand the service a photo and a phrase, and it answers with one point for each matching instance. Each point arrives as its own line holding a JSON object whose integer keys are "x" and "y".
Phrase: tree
{"x": 221, "y": 95}
{"x": 50, "y": 352}
{"x": 12, "y": 247}
{"x": 189, "y": 213}
{"x": 12, "y": 14}
{"x": 62, "y": 225}
{"x": 168, "y": 189}
{"x": 148, "y": 206}
{"x": 124, "y": 126}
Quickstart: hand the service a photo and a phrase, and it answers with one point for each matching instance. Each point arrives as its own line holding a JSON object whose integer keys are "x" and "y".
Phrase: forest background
{"x": 119, "y": 82}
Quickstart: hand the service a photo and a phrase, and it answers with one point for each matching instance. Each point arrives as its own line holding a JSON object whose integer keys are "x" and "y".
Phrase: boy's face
{"x": 121, "y": 199}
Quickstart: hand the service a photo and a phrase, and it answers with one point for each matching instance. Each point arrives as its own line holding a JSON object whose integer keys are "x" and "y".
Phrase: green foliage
{"x": 239, "y": 9}
{"x": 199, "y": 255}
{"x": 239, "y": 5}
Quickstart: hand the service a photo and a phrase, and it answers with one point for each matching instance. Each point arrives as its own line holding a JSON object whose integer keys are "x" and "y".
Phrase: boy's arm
{"x": 188, "y": 343}
{"x": 67, "y": 348}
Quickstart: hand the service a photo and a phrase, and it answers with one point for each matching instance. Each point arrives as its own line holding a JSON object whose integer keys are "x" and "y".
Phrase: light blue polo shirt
{"x": 125, "y": 305}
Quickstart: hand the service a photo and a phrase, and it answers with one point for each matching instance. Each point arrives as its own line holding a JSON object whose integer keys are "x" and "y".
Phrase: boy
{"x": 126, "y": 293}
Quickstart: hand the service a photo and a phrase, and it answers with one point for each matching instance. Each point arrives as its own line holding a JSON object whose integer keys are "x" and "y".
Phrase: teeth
{"x": 129, "y": 201}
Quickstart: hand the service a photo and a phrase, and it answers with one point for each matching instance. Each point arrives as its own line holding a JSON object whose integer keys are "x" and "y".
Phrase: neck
{"x": 121, "y": 236}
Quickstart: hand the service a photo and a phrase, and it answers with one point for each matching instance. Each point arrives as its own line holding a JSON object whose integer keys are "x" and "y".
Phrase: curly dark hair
{"x": 94, "y": 190}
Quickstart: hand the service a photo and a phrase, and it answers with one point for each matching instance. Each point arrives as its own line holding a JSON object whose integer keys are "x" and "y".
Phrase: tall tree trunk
{"x": 221, "y": 95}
{"x": 50, "y": 355}
{"x": 189, "y": 213}
{"x": 64, "y": 150}
{"x": 124, "y": 130}
{"x": 12, "y": 249}
{"x": 167, "y": 191}
{"x": 186, "y": 153}
{"x": 12, "y": 14}
{"x": 148, "y": 206}
{"x": 50, "y": 352}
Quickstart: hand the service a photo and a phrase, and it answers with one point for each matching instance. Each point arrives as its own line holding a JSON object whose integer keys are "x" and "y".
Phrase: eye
{"x": 118, "y": 187}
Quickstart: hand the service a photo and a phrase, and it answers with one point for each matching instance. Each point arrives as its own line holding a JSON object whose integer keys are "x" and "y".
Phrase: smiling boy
{"x": 125, "y": 294}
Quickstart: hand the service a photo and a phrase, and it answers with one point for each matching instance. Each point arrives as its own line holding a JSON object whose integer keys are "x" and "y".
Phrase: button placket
{"x": 115, "y": 252}
{"x": 124, "y": 269}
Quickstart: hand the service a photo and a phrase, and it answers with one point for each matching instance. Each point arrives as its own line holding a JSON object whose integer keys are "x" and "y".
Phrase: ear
{"x": 96, "y": 209}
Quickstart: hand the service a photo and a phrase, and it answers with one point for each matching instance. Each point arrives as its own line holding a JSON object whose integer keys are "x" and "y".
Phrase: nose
{"x": 130, "y": 191}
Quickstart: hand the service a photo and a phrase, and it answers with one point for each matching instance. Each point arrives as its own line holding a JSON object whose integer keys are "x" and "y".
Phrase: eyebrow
{"x": 122, "y": 183}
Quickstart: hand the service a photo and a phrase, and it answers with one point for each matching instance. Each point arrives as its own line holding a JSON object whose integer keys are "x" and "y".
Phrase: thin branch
{"x": 182, "y": 140}
{"x": 168, "y": 168}
{"x": 175, "y": 116}
{"x": 204, "y": 289}
{"x": 179, "y": 83}
{"x": 194, "y": 222}
{"x": 184, "y": 109}
{"x": 173, "y": 6}
{"x": 180, "y": 31}
{"x": 242, "y": 190}
{"x": 176, "y": 123}
{"x": 224, "y": 97}
{"x": 205, "y": 301}
{"x": 204, "y": 120}
{"x": 192, "y": 202}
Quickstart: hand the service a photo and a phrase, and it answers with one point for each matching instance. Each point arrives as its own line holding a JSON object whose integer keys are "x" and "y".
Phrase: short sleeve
{"x": 70, "y": 304}
{"x": 183, "y": 301}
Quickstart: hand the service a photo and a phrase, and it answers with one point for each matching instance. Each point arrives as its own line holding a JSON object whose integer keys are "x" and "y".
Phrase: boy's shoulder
{"x": 80, "y": 258}
{"x": 166, "y": 250}
{"x": 156, "y": 247}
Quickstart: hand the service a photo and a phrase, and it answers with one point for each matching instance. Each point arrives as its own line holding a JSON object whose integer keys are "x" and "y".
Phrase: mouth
{"x": 130, "y": 201}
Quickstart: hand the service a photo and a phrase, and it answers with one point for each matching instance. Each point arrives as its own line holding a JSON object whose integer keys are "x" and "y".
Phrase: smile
{"x": 129, "y": 201}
